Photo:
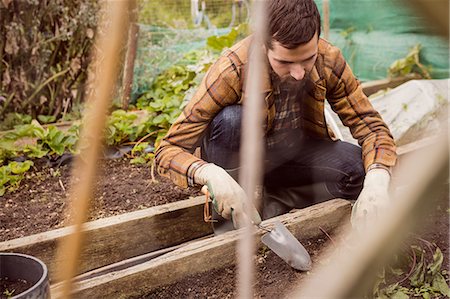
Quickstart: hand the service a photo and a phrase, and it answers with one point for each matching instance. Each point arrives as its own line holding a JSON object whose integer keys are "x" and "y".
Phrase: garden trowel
{"x": 281, "y": 241}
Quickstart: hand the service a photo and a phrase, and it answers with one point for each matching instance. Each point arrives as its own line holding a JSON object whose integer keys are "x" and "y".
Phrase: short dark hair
{"x": 292, "y": 22}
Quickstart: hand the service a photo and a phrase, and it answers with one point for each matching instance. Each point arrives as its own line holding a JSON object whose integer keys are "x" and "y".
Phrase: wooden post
{"x": 251, "y": 155}
{"x": 326, "y": 19}
{"x": 133, "y": 34}
{"x": 108, "y": 45}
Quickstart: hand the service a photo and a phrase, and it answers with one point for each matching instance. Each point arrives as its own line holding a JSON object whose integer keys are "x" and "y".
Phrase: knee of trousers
{"x": 225, "y": 128}
{"x": 350, "y": 184}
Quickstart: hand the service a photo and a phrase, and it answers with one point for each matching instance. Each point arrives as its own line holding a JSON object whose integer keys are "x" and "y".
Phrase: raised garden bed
{"x": 124, "y": 188}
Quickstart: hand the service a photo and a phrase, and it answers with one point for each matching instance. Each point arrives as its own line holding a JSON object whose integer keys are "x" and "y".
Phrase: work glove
{"x": 373, "y": 200}
{"x": 228, "y": 198}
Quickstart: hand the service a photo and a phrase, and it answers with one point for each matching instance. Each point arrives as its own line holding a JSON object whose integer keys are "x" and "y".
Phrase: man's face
{"x": 293, "y": 65}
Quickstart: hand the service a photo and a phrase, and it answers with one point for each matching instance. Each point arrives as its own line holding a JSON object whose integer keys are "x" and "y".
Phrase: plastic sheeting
{"x": 411, "y": 110}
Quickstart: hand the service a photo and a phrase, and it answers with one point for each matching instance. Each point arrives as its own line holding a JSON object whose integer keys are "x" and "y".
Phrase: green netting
{"x": 371, "y": 53}
{"x": 375, "y": 33}
{"x": 160, "y": 48}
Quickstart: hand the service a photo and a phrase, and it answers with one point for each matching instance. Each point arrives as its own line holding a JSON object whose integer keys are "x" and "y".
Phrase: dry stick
{"x": 329, "y": 237}
{"x": 85, "y": 165}
{"x": 62, "y": 185}
{"x": 251, "y": 150}
{"x": 412, "y": 268}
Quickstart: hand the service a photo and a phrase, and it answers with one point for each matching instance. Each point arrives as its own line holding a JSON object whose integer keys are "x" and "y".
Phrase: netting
{"x": 374, "y": 33}
{"x": 371, "y": 33}
{"x": 160, "y": 48}
{"x": 170, "y": 29}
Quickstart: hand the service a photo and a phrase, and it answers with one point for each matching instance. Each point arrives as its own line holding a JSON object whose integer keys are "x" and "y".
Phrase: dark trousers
{"x": 299, "y": 172}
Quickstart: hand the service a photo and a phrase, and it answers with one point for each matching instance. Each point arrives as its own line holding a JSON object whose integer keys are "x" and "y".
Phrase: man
{"x": 304, "y": 164}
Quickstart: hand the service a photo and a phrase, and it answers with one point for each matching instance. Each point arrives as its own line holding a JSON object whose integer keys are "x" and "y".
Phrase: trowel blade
{"x": 281, "y": 241}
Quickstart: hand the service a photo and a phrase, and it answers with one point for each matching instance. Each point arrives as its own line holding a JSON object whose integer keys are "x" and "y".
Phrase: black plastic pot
{"x": 25, "y": 268}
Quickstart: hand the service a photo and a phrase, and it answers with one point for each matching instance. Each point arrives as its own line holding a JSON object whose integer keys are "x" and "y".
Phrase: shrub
{"x": 44, "y": 50}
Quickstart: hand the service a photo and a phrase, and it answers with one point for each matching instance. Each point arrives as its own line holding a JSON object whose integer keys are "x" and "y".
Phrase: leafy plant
{"x": 126, "y": 126}
{"x": 12, "y": 174}
{"x": 34, "y": 141}
{"x": 409, "y": 64}
{"x": 218, "y": 43}
{"x": 8, "y": 293}
{"x": 164, "y": 100}
{"x": 417, "y": 274}
{"x": 13, "y": 119}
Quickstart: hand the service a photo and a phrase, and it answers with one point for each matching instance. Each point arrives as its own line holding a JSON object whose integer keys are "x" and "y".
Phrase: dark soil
{"x": 40, "y": 202}
{"x": 9, "y": 288}
{"x": 274, "y": 278}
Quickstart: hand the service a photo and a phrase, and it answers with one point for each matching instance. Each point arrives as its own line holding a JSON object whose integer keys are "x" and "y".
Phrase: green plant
{"x": 417, "y": 274}
{"x": 34, "y": 141}
{"x": 164, "y": 100}
{"x": 8, "y": 293}
{"x": 126, "y": 126}
{"x": 13, "y": 119}
{"x": 409, "y": 64}
{"x": 12, "y": 174}
{"x": 218, "y": 43}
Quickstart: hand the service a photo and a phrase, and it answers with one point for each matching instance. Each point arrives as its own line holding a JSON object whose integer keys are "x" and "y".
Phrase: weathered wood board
{"x": 117, "y": 238}
{"x": 204, "y": 255}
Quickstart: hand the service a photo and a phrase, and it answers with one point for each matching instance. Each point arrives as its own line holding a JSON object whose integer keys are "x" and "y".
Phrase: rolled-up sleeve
{"x": 219, "y": 88}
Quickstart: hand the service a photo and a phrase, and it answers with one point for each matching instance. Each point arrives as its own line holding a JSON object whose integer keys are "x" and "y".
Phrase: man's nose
{"x": 297, "y": 72}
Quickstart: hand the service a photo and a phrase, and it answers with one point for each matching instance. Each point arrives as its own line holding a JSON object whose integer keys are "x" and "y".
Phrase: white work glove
{"x": 373, "y": 200}
{"x": 227, "y": 196}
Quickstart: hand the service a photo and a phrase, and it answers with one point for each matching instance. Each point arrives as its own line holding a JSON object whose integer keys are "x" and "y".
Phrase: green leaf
{"x": 20, "y": 167}
{"x": 138, "y": 160}
{"x": 396, "y": 271}
{"x": 46, "y": 119}
{"x": 438, "y": 258}
{"x": 418, "y": 277}
{"x": 440, "y": 285}
{"x": 159, "y": 119}
{"x": 399, "y": 294}
{"x": 426, "y": 295}
{"x": 33, "y": 151}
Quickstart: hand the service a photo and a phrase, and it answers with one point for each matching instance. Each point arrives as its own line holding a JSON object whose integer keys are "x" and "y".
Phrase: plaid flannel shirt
{"x": 224, "y": 84}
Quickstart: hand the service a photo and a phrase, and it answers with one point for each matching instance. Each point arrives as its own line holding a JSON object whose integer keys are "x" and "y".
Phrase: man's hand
{"x": 228, "y": 197}
{"x": 373, "y": 200}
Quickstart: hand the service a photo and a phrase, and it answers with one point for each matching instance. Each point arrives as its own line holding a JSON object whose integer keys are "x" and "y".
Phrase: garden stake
{"x": 105, "y": 74}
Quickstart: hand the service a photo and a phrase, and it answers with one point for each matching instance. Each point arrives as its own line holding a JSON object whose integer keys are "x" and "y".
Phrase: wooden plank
{"x": 204, "y": 255}
{"x": 417, "y": 145}
{"x": 371, "y": 87}
{"x": 120, "y": 237}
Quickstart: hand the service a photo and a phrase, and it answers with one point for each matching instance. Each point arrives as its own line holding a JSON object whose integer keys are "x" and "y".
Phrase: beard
{"x": 300, "y": 87}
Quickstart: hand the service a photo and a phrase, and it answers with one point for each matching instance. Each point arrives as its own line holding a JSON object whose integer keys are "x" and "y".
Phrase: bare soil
{"x": 40, "y": 202}
{"x": 274, "y": 278}
{"x": 9, "y": 288}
